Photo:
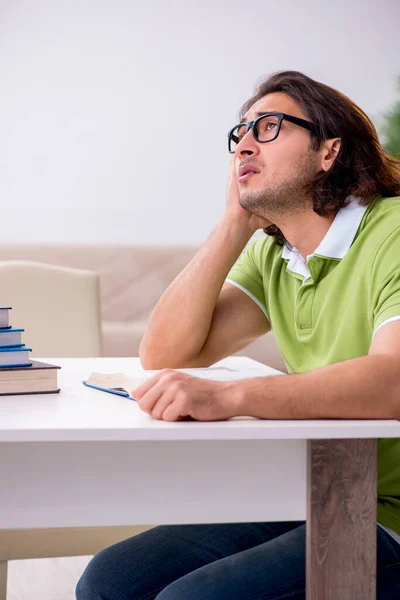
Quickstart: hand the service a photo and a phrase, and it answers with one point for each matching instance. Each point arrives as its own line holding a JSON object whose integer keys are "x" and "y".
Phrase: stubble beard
{"x": 290, "y": 196}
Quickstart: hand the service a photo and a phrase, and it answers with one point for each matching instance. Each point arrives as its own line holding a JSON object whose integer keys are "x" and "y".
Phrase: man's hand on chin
{"x": 173, "y": 396}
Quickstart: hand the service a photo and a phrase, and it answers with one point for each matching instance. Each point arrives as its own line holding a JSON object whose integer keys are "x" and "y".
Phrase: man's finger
{"x": 142, "y": 389}
{"x": 164, "y": 401}
{"x": 173, "y": 412}
{"x": 148, "y": 401}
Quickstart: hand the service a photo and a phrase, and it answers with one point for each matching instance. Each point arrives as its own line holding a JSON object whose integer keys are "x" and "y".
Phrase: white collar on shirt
{"x": 336, "y": 241}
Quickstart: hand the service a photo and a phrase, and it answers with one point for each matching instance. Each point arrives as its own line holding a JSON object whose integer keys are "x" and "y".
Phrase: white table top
{"x": 81, "y": 414}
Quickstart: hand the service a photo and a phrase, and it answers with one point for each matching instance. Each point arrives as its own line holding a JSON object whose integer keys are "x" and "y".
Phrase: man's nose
{"x": 247, "y": 145}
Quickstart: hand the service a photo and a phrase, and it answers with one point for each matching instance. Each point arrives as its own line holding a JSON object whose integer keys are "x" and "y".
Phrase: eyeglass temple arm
{"x": 302, "y": 122}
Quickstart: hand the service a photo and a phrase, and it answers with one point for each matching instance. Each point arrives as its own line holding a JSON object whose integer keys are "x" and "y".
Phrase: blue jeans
{"x": 241, "y": 561}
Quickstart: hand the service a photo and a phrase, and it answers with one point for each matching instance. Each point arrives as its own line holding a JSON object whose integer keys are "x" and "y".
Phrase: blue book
{"x": 15, "y": 357}
{"x": 10, "y": 337}
{"x": 116, "y": 391}
{"x": 113, "y": 383}
{"x": 4, "y": 317}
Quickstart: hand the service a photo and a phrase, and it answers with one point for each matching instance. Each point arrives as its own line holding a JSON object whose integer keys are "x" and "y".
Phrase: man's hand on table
{"x": 174, "y": 396}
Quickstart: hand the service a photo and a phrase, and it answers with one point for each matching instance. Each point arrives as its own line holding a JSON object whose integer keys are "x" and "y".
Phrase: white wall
{"x": 113, "y": 114}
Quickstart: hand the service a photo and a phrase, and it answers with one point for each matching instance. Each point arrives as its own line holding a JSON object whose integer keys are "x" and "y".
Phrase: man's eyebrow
{"x": 258, "y": 114}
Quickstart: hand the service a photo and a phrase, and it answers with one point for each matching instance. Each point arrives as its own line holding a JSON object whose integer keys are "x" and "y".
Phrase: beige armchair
{"x": 59, "y": 309}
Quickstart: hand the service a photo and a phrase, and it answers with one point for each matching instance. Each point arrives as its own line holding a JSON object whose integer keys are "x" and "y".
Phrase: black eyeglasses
{"x": 265, "y": 128}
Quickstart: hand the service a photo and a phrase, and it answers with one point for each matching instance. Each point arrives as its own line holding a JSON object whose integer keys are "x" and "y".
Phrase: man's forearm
{"x": 180, "y": 323}
{"x": 361, "y": 388}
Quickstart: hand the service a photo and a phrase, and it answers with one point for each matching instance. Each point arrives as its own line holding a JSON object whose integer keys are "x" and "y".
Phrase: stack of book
{"x": 18, "y": 373}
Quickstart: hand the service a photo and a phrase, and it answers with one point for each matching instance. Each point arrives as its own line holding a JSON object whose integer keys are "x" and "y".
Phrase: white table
{"x": 87, "y": 458}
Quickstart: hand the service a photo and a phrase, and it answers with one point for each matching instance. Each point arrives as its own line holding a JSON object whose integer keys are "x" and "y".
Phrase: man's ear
{"x": 328, "y": 152}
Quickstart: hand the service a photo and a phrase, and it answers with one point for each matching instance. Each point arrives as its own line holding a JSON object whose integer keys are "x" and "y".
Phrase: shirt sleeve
{"x": 386, "y": 283}
{"x": 246, "y": 275}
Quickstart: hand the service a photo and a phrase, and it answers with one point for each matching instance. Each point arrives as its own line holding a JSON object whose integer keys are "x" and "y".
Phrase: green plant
{"x": 391, "y": 128}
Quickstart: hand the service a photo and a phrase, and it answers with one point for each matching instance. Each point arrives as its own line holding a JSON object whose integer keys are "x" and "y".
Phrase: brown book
{"x": 39, "y": 378}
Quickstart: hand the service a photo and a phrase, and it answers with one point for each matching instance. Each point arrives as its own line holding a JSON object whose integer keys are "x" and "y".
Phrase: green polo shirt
{"x": 327, "y": 309}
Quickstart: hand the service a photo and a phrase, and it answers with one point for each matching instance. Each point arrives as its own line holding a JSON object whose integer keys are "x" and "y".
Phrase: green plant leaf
{"x": 391, "y": 129}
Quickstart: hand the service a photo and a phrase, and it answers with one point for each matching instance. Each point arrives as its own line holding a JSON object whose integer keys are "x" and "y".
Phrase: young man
{"x": 307, "y": 167}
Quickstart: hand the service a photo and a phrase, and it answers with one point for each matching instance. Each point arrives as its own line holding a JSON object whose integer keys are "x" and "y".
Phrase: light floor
{"x": 45, "y": 578}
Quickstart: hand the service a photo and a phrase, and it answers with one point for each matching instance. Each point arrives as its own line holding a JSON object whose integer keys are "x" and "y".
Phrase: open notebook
{"x": 122, "y": 384}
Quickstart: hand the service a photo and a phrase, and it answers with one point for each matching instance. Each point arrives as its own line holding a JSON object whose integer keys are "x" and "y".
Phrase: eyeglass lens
{"x": 265, "y": 130}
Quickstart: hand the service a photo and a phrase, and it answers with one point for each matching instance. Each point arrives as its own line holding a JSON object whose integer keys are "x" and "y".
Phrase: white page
{"x": 128, "y": 383}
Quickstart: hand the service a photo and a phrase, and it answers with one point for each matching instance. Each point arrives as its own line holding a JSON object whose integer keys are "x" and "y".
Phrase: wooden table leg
{"x": 341, "y": 519}
{"x": 3, "y": 579}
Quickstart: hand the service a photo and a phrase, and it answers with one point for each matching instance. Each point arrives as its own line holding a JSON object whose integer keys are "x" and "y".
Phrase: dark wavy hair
{"x": 362, "y": 167}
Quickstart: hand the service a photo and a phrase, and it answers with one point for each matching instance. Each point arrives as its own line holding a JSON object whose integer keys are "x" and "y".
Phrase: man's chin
{"x": 255, "y": 203}
{"x": 250, "y": 200}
